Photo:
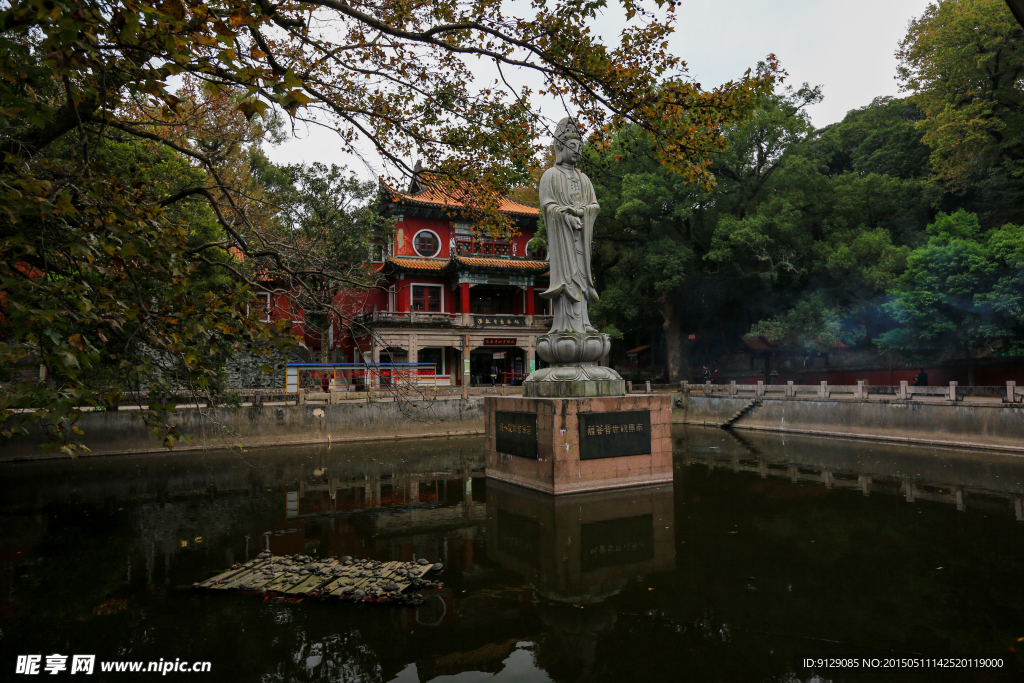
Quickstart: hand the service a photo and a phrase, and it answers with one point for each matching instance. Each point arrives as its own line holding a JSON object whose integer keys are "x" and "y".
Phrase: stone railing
{"x": 258, "y": 397}
{"x": 861, "y": 391}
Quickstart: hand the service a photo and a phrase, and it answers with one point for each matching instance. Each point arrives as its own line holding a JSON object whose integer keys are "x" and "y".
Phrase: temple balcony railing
{"x": 479, "y": 321}
{"x": 468, "y": 246}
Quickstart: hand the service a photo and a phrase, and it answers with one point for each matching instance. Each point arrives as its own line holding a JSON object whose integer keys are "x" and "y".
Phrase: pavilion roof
{"x": 439, "y": 266}
{"x": 411, "y": 263}
{"x": 503, "y": 263}
{"x": 423, "y": 193}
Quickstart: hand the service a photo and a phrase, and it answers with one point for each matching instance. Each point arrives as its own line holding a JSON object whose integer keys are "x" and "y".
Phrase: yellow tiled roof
{"x": 419, "y": 263}
{"x": 501, "y": 262}
{"x": 438, "y": 265}
{"x": 436, "y": 197}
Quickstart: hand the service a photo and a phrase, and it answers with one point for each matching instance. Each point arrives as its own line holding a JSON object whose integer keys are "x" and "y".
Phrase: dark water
{"x": 765, "y": 551}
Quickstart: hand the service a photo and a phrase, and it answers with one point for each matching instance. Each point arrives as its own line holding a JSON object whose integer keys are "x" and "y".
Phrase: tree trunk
{"x": 970, "y": 366}
{"x": 678, "y": 365}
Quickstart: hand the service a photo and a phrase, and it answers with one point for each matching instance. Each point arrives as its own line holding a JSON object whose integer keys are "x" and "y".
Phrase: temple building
{"x": 468, "y": 304}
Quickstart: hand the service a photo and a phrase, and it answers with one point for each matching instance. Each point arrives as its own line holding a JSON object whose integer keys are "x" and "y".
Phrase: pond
{"x": 765, "y": 551}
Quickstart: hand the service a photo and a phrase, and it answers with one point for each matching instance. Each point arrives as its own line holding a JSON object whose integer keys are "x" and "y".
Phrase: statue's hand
{"x": 572, "y": 220}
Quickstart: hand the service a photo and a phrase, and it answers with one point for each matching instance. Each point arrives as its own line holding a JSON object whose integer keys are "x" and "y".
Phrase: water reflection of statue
{"x": 570, "y": 206}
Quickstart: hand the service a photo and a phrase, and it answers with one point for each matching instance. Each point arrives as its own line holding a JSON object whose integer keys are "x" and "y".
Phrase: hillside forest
{"x": 141, "y": 213}
{"x": 897, "y": 229}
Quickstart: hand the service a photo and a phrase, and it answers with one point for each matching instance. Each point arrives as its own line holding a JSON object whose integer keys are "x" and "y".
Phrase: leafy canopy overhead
{"x": 964, "y": 63}
{"x": 138, "y": 221}
{"x": 398, "y": 75}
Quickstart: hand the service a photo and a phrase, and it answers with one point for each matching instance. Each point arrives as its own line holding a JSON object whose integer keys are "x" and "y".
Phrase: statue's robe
{"x": 572, "y": 285}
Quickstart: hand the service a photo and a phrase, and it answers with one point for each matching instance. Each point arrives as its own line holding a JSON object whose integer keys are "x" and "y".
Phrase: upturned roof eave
{"x": 392, "y": 201}
{"x": 456, "y": 264}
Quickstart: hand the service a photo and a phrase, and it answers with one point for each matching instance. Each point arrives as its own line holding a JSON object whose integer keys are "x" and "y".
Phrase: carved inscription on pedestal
{"x": 516, "y": 433}
{"x": 612, "y": 435}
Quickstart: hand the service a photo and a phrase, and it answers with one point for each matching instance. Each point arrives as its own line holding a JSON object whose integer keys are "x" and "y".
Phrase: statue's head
{"x": 568, "y": 142}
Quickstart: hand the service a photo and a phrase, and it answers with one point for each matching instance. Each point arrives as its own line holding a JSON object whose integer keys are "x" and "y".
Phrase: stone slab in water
{"x": 329, "y": 577}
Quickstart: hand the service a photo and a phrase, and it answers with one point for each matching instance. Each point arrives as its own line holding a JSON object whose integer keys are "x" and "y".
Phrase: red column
{"x": 464, "y": 292}
{"x": 403, "y": 302}
{"x": 529, "y": 300}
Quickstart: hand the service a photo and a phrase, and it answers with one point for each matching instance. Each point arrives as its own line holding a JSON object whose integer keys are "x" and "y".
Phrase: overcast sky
{"x": 845, "y": 47}
{"x": 848, "y": 48}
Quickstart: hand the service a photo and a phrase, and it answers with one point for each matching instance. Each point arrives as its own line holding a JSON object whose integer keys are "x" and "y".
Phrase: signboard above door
{"x": 499, "y": 341}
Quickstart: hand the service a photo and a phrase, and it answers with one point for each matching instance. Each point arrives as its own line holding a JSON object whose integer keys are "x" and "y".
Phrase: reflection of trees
{"x": 83, "y": 548}
{"x": 840, "y": 566}
{"x": 737, "y": 606}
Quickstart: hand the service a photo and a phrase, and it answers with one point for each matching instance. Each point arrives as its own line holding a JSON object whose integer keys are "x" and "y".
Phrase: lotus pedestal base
{"x": 574, "y": 372}
{"x": 574, "y": 381}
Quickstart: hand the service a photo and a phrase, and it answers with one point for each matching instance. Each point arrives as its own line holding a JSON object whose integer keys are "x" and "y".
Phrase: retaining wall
{"x": 960, "y": 425}
{"x": 123, "y": 432}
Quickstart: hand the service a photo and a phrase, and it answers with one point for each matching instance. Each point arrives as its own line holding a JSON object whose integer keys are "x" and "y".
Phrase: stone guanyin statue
{"x": 572, "y": 346}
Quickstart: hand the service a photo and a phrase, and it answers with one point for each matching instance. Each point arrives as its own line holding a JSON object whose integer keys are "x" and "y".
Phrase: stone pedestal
{"x": 566, "y": 445}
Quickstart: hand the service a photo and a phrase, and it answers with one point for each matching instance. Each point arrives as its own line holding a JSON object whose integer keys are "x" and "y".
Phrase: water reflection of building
{"x": 580, "y": 547}
{"x": 397, "y": 515}
{"x": 988, "y": 481}
{"x": 173, "y": 519}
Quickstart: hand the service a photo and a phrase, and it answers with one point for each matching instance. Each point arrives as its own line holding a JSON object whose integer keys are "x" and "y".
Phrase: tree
{"x": 1005, "y": 300}
{"x": 674, "y": 255}
{"x": 963, "y": 61}
{"x": 398, "y": 77}
{"x": 328, "y": 212}
{"x": 799, "y": 240}
{"x": 962, "y": 290}
{"x": 851, "y": 201}
{"x": 643, "y": 251}
{"x": 884, "y": 138}
{"x": 942, "y": 301}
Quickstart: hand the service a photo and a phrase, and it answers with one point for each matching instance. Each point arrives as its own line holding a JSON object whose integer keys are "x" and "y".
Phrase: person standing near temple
{"x": 922, "y": 378}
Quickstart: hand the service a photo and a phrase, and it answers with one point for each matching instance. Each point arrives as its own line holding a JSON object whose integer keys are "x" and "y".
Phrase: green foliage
{"x": 332, "y": 208}
{"x": 98, "y": 282}
{"x": 798, "y": 241}
{"x": 231, "y": 399}
{"x": 329, "y": 215}
{"x": 963, "y": 63}
{"x": 539, "y": 242}
{"x": 812, "y": 237}
{"x": 138, "y": 218}
{"x": 960, "y": 290}
{"x": 813, "y": 324}
{"x": 884, "y": 138}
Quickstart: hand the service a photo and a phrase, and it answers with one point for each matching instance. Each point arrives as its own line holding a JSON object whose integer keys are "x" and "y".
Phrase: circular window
{"x": 427, "y": 243}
